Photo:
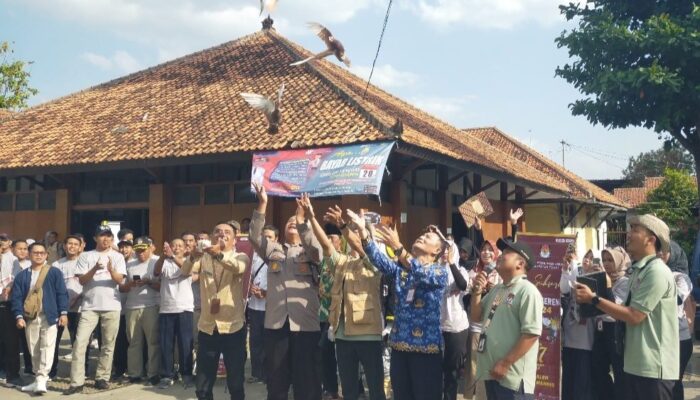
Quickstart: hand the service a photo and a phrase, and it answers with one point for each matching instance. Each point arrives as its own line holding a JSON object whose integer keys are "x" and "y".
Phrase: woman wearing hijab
{"x": 677, "y": 261}
{"x": 607, "y": 343}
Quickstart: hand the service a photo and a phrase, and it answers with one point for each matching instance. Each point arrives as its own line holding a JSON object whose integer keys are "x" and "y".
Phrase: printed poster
{"x": 549, "y": 255}
{"x": 327, "y": 171}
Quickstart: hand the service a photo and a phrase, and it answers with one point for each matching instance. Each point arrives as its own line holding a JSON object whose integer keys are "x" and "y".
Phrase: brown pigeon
{"x": 333, "y": 46}
{"x": 269, "y": 107}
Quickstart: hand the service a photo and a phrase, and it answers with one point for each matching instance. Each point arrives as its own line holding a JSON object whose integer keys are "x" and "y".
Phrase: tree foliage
{"x": 655, "y": 162}
{"x": 636, "y": 63}
{"x": 674, "y": 201}
{"x": 14, "y": 80}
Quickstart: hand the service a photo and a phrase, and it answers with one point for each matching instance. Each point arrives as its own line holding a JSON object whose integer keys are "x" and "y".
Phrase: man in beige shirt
{"x": 292, "y": 327}
{"x": 222, "y": 320}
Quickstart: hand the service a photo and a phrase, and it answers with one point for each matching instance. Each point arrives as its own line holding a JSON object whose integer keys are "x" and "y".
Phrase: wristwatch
{"x": 595, "y": 300}
{"x": 399, "y": 251}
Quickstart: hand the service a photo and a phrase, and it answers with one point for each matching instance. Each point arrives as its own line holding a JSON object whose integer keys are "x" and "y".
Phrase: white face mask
{"x": 490, "y": 267}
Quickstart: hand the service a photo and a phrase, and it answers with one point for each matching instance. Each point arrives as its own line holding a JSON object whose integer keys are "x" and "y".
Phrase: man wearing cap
{"x": 222, "y": 323}
{"x": 100, "y": 271}
{"x": 651, "y": 357}
{"x": 142, "y": 308}
{"x": 511, "y": 318}
{"x": 292, "y": 327}
{"x": 9, "y": 335}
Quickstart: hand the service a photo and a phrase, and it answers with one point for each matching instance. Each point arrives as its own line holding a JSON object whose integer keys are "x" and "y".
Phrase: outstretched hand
{"x": 334, "y": 215}
{"x": 516, "y": 215}
{"x": 389, "y": 236}
{"x": 305, "y": 203}
{"x": 260, "y": 193}
{"x": 167, "y": 250}
{"x": 357, "y": 222}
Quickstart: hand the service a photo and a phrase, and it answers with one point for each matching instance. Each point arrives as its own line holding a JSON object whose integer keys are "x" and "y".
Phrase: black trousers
{"x": 350, "y": 355}
{"x": 9, "y": 340}
{"x": 119, "y": 360}
{"x": 73, "y": 318}
{"x": 641, "y": 388}
{"x": 232, "y": 346}
{"x": 292, "y": 358}
{"x": 605, "y": 356}
{"x": 416, "y": 376}
{"x": 453, "y": 361}
{"x": 685, "y": 354}
{"x": 329, "y": 369}
{"x": 576, "y": 381}
{"x": 494, "y": 391}
{"x": 256, "y": 321}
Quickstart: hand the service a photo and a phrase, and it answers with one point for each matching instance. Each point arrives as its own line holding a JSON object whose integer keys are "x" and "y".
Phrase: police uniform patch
{"x": 275, "y": 266}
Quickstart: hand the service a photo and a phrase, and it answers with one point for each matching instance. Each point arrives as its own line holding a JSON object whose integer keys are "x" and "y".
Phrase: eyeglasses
{"x": 38, "y": 253}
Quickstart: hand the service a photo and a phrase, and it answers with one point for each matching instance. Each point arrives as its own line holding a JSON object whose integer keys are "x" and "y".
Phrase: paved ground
{"x": 257, "y": 391}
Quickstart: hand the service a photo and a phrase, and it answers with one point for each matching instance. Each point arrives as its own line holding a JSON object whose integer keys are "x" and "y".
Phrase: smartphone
{"x": 137, "y": 277}
{"x": 372, "y": 217}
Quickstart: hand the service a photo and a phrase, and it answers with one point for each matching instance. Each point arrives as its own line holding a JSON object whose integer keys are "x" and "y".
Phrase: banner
{"x": 328, "y": 171}
{"x": 549, "y": 255}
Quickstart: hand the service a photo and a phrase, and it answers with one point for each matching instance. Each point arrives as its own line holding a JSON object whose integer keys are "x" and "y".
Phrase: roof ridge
{"x": 146, "y": 70}
{"x": 577, "y": 181}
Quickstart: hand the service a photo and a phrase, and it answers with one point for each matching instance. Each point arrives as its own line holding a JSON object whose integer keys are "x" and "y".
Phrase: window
{"x": 137, "y": 195}
{"x": 186, "y": 195}
{"x": 25, "y": 201}
{"x": 242, "y": 193}
{"x": 113, "y": 196}
{"x": 47, "y": 200}
{"x": 6, "y": 202}
{"x": 216, "y": 194}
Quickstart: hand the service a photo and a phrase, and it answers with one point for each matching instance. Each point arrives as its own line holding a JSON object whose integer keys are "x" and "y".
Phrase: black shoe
{"x": 135, "y": 379}
{"x": 73, "y": 390}
{"x": 101, "y": 384}
{"x": 154, "y": 380}
{"x": 15, "y": 382}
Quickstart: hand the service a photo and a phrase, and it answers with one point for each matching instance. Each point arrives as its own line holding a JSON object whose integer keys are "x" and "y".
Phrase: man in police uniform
{"x": 292, "y": 328}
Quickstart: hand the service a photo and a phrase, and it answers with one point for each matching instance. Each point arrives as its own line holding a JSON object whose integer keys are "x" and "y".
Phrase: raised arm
{"x": 433, "y": 276}
{"x": 311, "y": 245}
{"x": 257, "y": 222}
{"x": 316, "y": 227}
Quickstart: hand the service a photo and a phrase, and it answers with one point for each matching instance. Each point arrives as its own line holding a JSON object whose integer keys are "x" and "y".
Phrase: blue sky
{"x": 470, "y": 62}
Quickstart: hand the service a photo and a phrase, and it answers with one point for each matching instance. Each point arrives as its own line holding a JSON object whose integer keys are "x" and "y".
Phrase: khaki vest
{"x": 357, "y": 288}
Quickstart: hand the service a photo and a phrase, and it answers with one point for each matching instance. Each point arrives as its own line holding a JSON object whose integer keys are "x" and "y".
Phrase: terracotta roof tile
{"x": 653, "y": 182}
{"x": 577, "y": 186}
{"x": 633, "y": 196}
{"x": 191, "y": 106}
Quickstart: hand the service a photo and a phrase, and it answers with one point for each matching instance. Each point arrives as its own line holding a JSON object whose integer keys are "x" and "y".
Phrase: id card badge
{"x": 410, "y": 295}
{"x": 482, "y": 344}
{"x": 215, "y": 306}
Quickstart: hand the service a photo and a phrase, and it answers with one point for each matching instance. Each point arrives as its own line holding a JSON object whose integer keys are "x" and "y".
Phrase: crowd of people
{"x": 334, "y": 304}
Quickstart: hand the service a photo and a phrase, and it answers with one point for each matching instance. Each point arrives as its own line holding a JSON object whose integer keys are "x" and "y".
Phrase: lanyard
{"x": 221, "y": 276}
{"x": 502, "y": 293}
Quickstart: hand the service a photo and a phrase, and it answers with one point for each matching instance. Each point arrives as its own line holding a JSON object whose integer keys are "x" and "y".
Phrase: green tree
{"x": 636, "y": 63}
{"x": 14, "y": 80}
{"x": 674, "y": 201}
{"x": 655, "y": 162}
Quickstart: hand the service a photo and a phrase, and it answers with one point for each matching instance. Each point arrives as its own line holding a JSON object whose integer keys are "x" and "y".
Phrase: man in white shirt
{"x": 176, "y": 306}
{"x": 100, "y": 271}
{"x": 256, "y": 310}
{"x": 67, "y": 264}
{"x": 142, "y": 307}
{"x": 9, "y": 335}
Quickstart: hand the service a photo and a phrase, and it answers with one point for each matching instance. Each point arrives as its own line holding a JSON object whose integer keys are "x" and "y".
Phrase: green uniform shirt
{"x": 651, "y": 348}
{"x": 519, "y": 312}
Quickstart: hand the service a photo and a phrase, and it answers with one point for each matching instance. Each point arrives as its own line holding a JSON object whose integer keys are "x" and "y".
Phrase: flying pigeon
{"x": 333, "y": 46}
{"x": 269, "y": 107}
{"x": 271, "y": 5}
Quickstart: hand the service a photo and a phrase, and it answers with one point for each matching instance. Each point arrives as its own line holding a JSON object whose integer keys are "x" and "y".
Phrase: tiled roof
{"x": 577, "y": 186}
{"x": 653, "y": 182}
{"x": 4, "y": 114}
{"x": 191, "y": 106}
{"x": 633, "y": 196}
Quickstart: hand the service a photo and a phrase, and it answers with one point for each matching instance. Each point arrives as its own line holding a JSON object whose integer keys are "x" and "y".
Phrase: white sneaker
{"x": 94, "y": 344}
{"x": 29, "y": 388}
{"x": 68, "y": 357}
{"x": 40, "y": 387}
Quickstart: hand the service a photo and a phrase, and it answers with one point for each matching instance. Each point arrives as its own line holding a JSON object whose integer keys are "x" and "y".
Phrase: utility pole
{"x": 563, "y": 151}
